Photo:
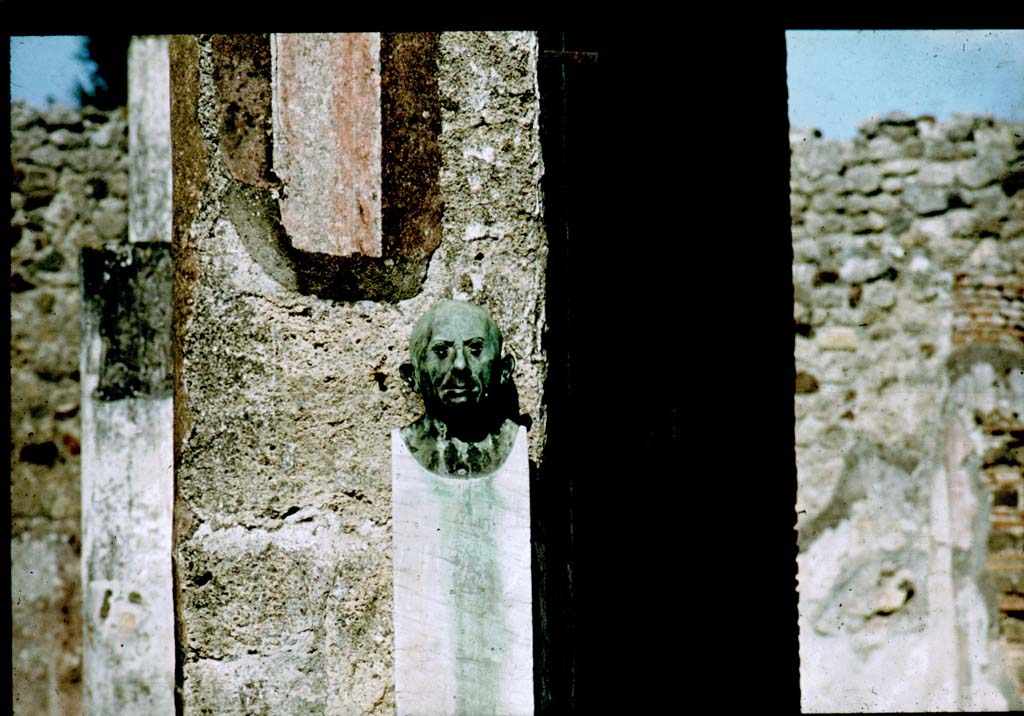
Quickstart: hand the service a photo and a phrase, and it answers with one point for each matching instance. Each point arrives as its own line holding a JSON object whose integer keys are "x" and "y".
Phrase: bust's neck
{"x": 445, "y": 450}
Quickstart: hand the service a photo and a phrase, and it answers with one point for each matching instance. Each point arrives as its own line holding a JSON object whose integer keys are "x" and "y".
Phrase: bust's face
{"x": 456, "y": 370}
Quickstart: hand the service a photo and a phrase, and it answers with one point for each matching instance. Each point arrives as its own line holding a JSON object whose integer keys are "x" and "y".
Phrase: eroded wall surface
{"x": 284, "y": 400}
{"x": 908, "y": 273}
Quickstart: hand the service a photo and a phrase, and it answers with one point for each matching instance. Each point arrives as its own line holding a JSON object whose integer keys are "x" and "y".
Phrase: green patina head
{"x": 456, "y": 359}
{"x": 467, "y": 389}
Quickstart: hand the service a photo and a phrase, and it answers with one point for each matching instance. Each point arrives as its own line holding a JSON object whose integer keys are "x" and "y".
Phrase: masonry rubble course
{"x": 884, "y": 226}
{"x": 69, "y": 191}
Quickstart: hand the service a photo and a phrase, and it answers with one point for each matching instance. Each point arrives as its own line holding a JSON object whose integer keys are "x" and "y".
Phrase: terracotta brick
{"x": 1012, "y": 630}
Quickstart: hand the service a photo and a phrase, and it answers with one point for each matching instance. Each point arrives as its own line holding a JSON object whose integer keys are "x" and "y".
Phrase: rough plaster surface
{"x": 896, "y": 608}
{"x": 69, "y": 191}
{"x": 284, "y": 401}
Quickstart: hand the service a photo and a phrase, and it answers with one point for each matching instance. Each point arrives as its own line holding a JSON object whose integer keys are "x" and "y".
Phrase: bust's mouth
{"x": 458, "y": 394}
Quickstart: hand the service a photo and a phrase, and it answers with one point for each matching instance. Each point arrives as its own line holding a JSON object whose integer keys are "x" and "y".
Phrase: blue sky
{"x": 43, "y": 67}
{"x": 837, "y": 78}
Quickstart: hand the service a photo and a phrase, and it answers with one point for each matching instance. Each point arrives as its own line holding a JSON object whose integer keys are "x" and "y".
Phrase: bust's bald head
{"x": 457, "y": 364}
{"x": 450, "y": 313}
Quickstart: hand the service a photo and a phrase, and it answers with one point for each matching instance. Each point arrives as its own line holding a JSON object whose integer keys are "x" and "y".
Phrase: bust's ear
{"x": 508, "y": 364}
{"x": 408, "y": 374}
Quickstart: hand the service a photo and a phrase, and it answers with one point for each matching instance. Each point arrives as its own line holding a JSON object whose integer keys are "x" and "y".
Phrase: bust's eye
{"x": 440, "y": 351}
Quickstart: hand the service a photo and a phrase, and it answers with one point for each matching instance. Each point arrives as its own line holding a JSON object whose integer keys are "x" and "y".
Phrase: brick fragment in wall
{"x": 797, "y": 203}
{"x": 925, "y": 199}
{"x": 864, "y": 223}
{"x": 865, "y": 178}
{"x": 892, "y": 185}
{"x": 912, "y": 148}
{"x": 64, "y": 209}
{"x": 990, "y": 202}
{"x": 868, "y": 127}
{"x": 827, "y": 184}
{"x": 899, "y": 133}
{"x": 882, "y": 203}
{"x": 984, "y": 169}
{"x": 883, "y": 147}
{"x": 961, "y": 127}
{"x": 899, "y": 167}
{"x": 806, "y": 383}
{"x": 837, "y": 339}
{"x": 988, "y": 309}
{"x": 105, "y": 136}
{"x": 986, "y": 255}
{"x": 801, "y": 312}
{"x": 826, "y": 202}
{"x": 846, "y": 315}
{"x": 997, "y": 138}
{"x": 66, "y": 139}
{"x": 807, "y": 250}
{"x": 830, "y": 296}
{"x": 818, "y": 224}
{"x": 859, "y": 270}
{"x": 840, "y": 246}
{"x": 874, "y": 125}
{"x": 816, "y": 159}
{"x": 880, "y": 294}
{"x": 941, "y": 150}
{"x": 942, "y": 174}
{"x": 37, "y": 184}
{"x": 111, "y": 218}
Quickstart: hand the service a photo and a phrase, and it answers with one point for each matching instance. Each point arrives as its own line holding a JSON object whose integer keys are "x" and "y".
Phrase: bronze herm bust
{"x": 467, "y": 389}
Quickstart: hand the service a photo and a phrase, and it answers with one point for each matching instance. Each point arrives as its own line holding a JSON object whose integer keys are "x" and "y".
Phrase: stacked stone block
{"x": 908, "y": 246}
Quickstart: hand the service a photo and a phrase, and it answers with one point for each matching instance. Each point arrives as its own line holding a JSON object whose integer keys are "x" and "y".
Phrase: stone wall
{"x": 908, "y": 263}
{"x": 69, "y": 191}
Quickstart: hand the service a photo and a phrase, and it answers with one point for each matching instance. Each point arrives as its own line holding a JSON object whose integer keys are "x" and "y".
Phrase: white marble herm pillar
{"x": 463, "y": 600}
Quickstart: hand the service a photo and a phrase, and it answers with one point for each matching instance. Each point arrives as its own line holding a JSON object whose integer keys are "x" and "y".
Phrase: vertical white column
{"x": 149, "y": 139}
{"x": 127, "y": 481}
{"x": 127, "y": 424}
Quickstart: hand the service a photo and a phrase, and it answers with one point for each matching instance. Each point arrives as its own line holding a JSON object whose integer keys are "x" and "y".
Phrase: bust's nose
{"x": 459, "y": 363}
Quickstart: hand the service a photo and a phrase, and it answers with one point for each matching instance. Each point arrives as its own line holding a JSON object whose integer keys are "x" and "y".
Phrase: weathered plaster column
{"x": 127, "y": 479}
{"x": 287, "y": 355}
{"x": 127, "y": 422}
